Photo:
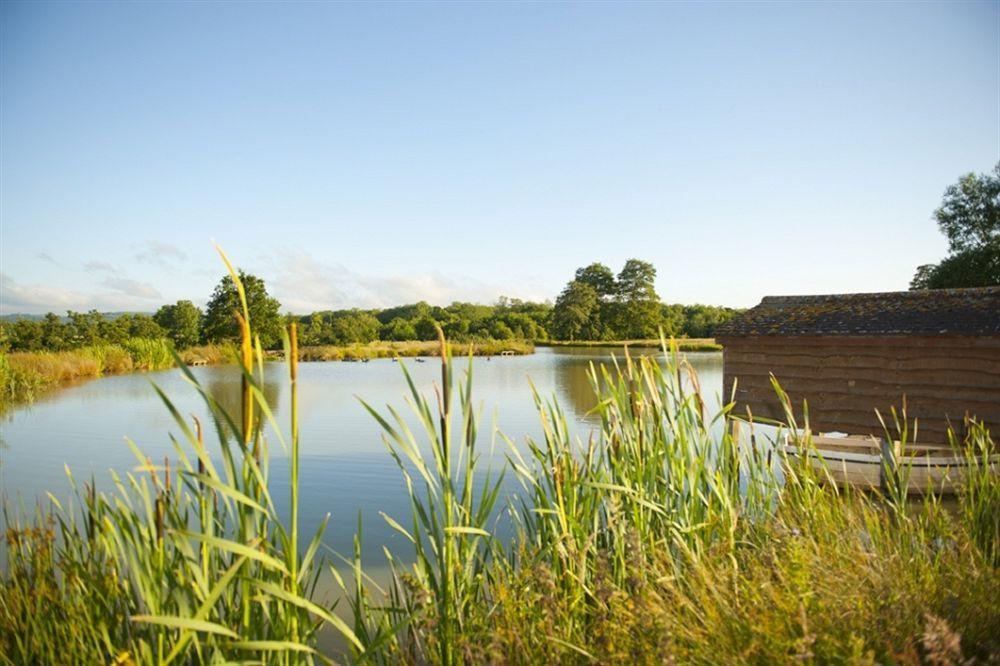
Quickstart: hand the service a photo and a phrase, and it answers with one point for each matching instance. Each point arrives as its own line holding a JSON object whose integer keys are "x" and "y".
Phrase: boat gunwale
{"x": 876, "y": 459}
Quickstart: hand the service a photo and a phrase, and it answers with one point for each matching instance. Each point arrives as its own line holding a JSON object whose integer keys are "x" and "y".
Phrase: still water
{"x": 345, "y": 469}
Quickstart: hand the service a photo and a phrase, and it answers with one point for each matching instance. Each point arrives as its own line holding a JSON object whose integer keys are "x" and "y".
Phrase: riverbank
{"x": 683, "y": 344}
{"x": 24, "y": 376}
{"x": 385, "y": 349}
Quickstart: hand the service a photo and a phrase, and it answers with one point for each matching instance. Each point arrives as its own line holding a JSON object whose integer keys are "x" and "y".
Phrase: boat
{"x": 869, "y": 463}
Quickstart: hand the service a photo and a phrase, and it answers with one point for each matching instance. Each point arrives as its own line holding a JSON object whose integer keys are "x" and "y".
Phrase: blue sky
{"x": 372, "y": 154}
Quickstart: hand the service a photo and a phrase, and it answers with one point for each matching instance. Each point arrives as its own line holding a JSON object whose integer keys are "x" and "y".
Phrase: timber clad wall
{"x": 850, "y": 355}
{"x": 844, "y": 379}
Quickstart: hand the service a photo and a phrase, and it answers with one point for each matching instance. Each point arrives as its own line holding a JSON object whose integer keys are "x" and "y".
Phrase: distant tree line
{"x": 595, "y": 305}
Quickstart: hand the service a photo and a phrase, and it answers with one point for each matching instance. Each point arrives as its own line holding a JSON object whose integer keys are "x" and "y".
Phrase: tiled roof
{"x": 924, "y": 312}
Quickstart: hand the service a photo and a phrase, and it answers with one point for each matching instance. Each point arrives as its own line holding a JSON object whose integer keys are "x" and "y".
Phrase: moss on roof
{"x": 924, "y": 312}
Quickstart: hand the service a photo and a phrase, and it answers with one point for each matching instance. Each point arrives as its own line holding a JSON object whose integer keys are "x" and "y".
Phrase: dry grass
{"x": 211, "y": 354}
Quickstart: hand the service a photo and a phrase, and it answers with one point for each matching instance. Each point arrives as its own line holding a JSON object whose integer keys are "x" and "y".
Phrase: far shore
{"x": 683, "y": 344}
{"x": 37, "y": 373}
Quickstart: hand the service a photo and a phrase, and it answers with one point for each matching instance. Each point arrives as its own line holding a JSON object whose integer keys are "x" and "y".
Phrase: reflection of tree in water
{"x": 228, "y": 392}
{"x": 573, "y": 378}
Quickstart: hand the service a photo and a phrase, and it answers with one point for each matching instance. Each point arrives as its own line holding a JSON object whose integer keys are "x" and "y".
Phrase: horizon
{"x": 374, "y": 155}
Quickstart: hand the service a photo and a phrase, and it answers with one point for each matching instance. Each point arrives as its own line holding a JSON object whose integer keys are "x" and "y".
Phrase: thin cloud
{"x": 303, "y": 284}
{"x": 47, "y": 258}
{"x": 132, "y": 288}
{"x": 16, "y": 297}
{"x": 162, "y": 254}
{"x": 98, "y": 267}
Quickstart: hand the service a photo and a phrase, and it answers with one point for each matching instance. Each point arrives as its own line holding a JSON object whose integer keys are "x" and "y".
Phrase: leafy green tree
{"x": 969, "y": 216}
{"x": 220, "y": 323}
{"x": 425, "y": 328}
{"x": 970, "y": 211}
{"x": 977, "y": 267}
{"x": 84, "y": 329}
{"x": 639, "y": 305}
{"x": 182, "y": 323}
{"x": 399, "y": 329}
{"x": 354, "y": 326}
{"x": 25, "y": 335}
{"x": 577, "y": 313}
{"x": 599, "y": 277}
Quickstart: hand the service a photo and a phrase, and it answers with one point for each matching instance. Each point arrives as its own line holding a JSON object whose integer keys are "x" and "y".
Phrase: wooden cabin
{"x": 850, "y": 354}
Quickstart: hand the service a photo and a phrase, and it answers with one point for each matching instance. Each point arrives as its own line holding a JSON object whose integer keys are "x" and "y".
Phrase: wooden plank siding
{"x": 845, "y": 378}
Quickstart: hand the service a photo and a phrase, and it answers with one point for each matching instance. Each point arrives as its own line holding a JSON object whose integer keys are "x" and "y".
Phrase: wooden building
{"x": 851, "y": 354}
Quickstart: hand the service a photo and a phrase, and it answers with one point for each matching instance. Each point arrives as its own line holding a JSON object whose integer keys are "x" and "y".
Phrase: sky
{"x": 367, "y": 155}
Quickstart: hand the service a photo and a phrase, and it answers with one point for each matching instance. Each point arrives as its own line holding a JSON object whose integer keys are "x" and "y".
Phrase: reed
{"x": 204, "y": 569}
{"x": 674, "y": 533}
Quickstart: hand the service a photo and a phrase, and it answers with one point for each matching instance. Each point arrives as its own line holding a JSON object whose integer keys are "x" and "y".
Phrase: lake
{"x": 345, "y": 468}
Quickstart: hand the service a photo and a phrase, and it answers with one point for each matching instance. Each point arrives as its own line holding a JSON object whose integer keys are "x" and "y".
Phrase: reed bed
{"x": 210, "y": 354}
{"x": 26, "y": 375}
{"x": 672, "y": 535}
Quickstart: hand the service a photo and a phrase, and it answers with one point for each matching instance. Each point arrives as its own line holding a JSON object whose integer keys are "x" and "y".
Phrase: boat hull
{"x": 938, "y": 474}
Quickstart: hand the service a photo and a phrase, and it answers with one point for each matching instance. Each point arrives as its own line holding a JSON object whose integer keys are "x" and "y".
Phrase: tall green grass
{"x": 673, "y": 534}
{"x": 185, "y": 562}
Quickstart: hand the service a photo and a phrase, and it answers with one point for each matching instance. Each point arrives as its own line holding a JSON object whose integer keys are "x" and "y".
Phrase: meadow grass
{"x": 673, "y": 534}
{"x": 682, "y": 344}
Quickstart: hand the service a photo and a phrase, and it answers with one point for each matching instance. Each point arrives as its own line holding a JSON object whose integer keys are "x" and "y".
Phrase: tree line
{"x": 596, "y": 305}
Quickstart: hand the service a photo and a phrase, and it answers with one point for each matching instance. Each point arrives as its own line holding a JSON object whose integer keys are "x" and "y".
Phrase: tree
{"x": 399, "y": 329}
{"x": 425, "y": 328}
{"x": 969, "y": 216}
{"x": 220, "y": 323}
{"x": 599, "y": 277}
{"x": 978, "y": 267}
{"x": 970, "y": 211}
{"x": 639, "y": 306}
{"x": 182, "y": 323}
{"x": 576, "y": 314}
{"x": 354, "y": 326}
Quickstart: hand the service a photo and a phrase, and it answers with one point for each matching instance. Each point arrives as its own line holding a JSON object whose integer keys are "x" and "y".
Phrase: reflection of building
{"x": 849, "y": 355}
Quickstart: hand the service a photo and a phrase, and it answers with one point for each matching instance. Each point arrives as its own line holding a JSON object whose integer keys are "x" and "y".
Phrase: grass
{"x": 383, "y": 349}
{"x": 666, "y": 537}
{"x": 683, "y": 344}
{"x": 210, "y": 354}
{"x": 24, "y": 376}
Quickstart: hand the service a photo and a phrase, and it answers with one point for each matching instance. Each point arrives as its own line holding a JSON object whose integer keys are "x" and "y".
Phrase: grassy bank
{"x": 410, "y": 349}
{"x": 659, "y": 540}
{"x": 683, "y": 344}
{"x": 26, "y": 375}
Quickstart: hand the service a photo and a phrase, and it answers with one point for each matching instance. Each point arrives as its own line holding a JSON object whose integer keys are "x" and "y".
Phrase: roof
{"x": 923, "y": 312}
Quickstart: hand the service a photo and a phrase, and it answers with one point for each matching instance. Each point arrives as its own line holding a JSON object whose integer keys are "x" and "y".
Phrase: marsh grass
{"x": 26, "y": 375}
{"x": 673, "y": 534}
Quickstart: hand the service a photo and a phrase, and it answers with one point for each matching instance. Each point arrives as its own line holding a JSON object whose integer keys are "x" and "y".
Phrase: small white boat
{"x": 860, "y": 462}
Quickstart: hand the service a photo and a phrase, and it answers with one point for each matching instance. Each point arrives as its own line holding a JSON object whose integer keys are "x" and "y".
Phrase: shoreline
{"x": 683, "y": 344}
